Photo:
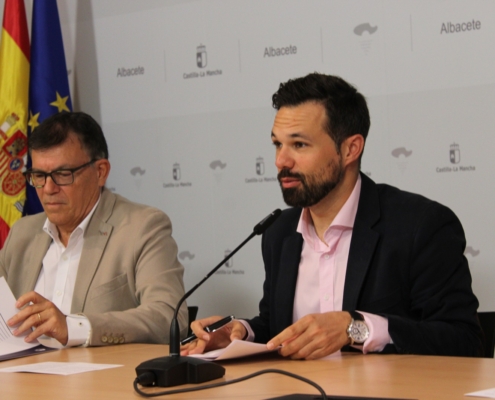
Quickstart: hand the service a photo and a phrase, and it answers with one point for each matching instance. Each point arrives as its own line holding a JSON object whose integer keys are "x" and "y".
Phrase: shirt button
{"x": 327, "y": 256}
{"x": 64, "y": 258}
{"x": 59, "y": 293}
{"x": 326, "y": 297}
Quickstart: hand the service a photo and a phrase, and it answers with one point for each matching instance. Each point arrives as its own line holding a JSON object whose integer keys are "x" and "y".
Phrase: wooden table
{"x": 399, "y": 376}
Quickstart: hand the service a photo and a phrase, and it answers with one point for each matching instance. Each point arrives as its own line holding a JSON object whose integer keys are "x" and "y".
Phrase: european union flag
{"x": 49, "y": 87}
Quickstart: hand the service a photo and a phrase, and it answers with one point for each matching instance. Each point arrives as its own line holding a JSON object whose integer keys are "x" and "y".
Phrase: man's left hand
{"x": 313, "y": 336}
{"x": 41, "y": 314}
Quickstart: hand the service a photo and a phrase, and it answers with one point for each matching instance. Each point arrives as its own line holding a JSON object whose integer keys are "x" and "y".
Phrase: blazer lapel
{"x": 95, "y": 241}
{"x": 363, "y": 243}
{"x": 287, "y": 279}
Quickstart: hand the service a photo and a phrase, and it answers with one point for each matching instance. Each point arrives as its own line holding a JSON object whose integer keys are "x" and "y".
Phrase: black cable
{"x": 145, "y": 378}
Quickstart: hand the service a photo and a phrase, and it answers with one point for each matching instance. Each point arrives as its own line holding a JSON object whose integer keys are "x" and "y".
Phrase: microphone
{"x": 175, "y": 369}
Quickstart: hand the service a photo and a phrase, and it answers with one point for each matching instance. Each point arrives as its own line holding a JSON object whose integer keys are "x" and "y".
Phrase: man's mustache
{"x": 285, "y": 173}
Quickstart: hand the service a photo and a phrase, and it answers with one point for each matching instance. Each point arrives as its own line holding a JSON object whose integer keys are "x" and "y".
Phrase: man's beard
{"x": 313, "y": 187}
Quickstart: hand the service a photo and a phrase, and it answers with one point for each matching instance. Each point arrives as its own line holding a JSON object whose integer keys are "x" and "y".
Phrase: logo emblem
{"x": 470, "y": 250}
{"x": 260, "y": 166}
{"x": 186, "y": 254}
{"x": 401, "y": 151}
{"x": 201, "y": 59}
{"x": 366, "y": 27}
{"x": 230, "y": 262}
{"x": 217, "y": 164}
{"x": 137, "y": 170}
{"x": 176, "y": 172}
{"x": 455, "y": 154}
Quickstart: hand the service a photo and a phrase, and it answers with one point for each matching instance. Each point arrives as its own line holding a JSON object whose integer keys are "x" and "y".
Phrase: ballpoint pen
{"x": 210, "y": 328}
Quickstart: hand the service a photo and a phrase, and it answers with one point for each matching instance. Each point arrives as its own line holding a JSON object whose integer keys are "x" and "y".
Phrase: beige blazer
{"x": 129, "y": 279}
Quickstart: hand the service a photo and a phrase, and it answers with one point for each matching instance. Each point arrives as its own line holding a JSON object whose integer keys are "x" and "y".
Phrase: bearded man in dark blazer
{"x": 353, "y": 264}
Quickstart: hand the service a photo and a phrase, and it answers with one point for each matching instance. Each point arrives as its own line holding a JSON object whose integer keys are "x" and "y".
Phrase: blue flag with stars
{"x": 49, "y": 86}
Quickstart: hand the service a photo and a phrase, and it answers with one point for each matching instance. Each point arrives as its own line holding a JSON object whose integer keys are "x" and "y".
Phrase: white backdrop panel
{"x": 183, "y": 91}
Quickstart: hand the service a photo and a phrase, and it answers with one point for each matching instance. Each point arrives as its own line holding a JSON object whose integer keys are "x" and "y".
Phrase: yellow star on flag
{"x": 33, "y": 120}
{"x": 60, "y": 103}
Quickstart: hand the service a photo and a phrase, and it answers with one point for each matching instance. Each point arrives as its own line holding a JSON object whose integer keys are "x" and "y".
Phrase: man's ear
{"x": 352, "y": 148}
{"x": 103, "y": 169}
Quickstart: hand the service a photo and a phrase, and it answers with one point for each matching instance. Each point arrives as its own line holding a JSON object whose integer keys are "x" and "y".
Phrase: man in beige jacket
{"x": 93, "y": 269}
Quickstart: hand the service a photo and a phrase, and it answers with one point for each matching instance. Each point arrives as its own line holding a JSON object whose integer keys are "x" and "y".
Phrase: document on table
{"x": 488, "y": 394}
{"x": 236, "y": 349}
{"x": 59, "y": 368}
{"x": 13, "y": 346}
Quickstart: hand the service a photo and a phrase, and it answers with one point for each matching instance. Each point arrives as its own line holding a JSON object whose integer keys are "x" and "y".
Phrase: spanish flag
{"x": 14, "y": 91}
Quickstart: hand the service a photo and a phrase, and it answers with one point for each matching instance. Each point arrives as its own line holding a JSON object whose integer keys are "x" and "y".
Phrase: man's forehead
{"x": 61, "y": 155}
{"x": 295, "y": 118}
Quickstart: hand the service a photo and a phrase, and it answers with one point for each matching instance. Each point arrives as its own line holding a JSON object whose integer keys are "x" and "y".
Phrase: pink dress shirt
{"x": 322, "y": 269}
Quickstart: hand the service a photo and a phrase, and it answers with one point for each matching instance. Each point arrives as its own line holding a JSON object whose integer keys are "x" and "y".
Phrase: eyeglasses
{"x": 61, "y": 177}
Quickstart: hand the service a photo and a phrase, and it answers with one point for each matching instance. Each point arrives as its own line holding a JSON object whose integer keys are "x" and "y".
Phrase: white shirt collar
{"x": 52, "y": 230}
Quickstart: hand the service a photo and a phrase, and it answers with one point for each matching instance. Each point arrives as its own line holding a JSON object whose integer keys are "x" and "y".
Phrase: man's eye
{"x": 62, "y": 174}
{"x": 37, "y": 175}
{"x": 277, "y": 144}
{"x": 299, "y": 145}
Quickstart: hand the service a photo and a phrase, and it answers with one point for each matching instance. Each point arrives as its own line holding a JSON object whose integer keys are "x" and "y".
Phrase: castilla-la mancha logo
{"x": 455, "y": 159}
{"x": 260, "y": 166}
{"x": 201, "y": 56}
{"x": 176, "y": 172}
{"x": 260, "y": 171}
{"x": 229, "y": 264}
{"x": 455, "y": 153}
{"x": 177, "y": 176}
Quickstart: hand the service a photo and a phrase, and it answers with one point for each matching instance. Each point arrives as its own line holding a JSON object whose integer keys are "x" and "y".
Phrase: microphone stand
{"x": 175, "y": 369}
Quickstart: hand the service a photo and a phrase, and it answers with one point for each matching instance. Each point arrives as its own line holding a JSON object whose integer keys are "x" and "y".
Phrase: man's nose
{"x": 50, "y": 185}
{"x": 283, "y": 159}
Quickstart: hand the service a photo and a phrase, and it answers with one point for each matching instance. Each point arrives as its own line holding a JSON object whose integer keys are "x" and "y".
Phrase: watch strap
{"x": 356, "y": 316}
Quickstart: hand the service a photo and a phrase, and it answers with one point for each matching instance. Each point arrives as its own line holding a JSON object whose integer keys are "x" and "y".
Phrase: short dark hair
{"x": 55, "y": 130}
{"x": 347, "y": 112}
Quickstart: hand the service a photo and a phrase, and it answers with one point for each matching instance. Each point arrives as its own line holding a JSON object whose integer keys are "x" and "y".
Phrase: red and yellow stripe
{"x": 14, "y": 94}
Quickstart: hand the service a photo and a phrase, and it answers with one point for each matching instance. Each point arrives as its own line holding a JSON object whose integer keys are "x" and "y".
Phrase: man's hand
{"x": 42, "y": 315}
{"x": 215, "y": 340}
{"x": 313, "y": 336}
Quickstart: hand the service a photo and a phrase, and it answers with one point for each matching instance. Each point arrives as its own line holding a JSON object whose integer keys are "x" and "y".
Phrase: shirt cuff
{"x": 78, "y": 329}
{"x": 250, "y": 333}
{"x": 379, "y": 337}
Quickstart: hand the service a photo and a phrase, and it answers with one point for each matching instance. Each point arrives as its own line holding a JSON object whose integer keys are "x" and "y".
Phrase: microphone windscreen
{"x": 267, "y": 221}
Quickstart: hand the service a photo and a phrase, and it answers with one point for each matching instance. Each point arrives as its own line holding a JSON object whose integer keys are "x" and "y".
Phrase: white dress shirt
{"x": 58, "y": 274}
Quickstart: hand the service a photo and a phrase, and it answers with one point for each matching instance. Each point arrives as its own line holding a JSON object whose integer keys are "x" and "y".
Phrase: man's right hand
{"x": 215, "y": 340}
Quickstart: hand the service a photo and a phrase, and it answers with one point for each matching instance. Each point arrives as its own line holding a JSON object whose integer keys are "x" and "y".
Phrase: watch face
{"x": 359, "y": 332}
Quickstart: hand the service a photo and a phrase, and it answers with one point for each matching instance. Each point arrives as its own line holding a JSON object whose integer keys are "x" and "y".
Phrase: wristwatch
{"x": 357, "y": 330}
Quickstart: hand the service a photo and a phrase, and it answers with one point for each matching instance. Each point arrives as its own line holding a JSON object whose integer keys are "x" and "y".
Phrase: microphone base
{"x": 179, "y": 370}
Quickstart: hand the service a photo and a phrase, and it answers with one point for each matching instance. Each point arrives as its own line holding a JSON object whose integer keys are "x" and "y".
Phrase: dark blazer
{"x": 406, "y": 263}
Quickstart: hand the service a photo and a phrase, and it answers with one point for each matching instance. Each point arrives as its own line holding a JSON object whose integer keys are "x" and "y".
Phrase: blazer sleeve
{"x": 440, "y": 314}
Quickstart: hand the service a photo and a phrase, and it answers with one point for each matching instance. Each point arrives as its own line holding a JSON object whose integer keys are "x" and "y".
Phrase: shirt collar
{"x": 52, "y": 230}
{"x": 344, "y": 218}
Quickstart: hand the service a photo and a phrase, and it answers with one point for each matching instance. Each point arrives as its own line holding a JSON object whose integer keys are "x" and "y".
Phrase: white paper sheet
{"x": 488, "y": 394}
{"x": 59, "y": 368}
{"x": 9, "y": 343}
{"x": 236, "y": 349}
